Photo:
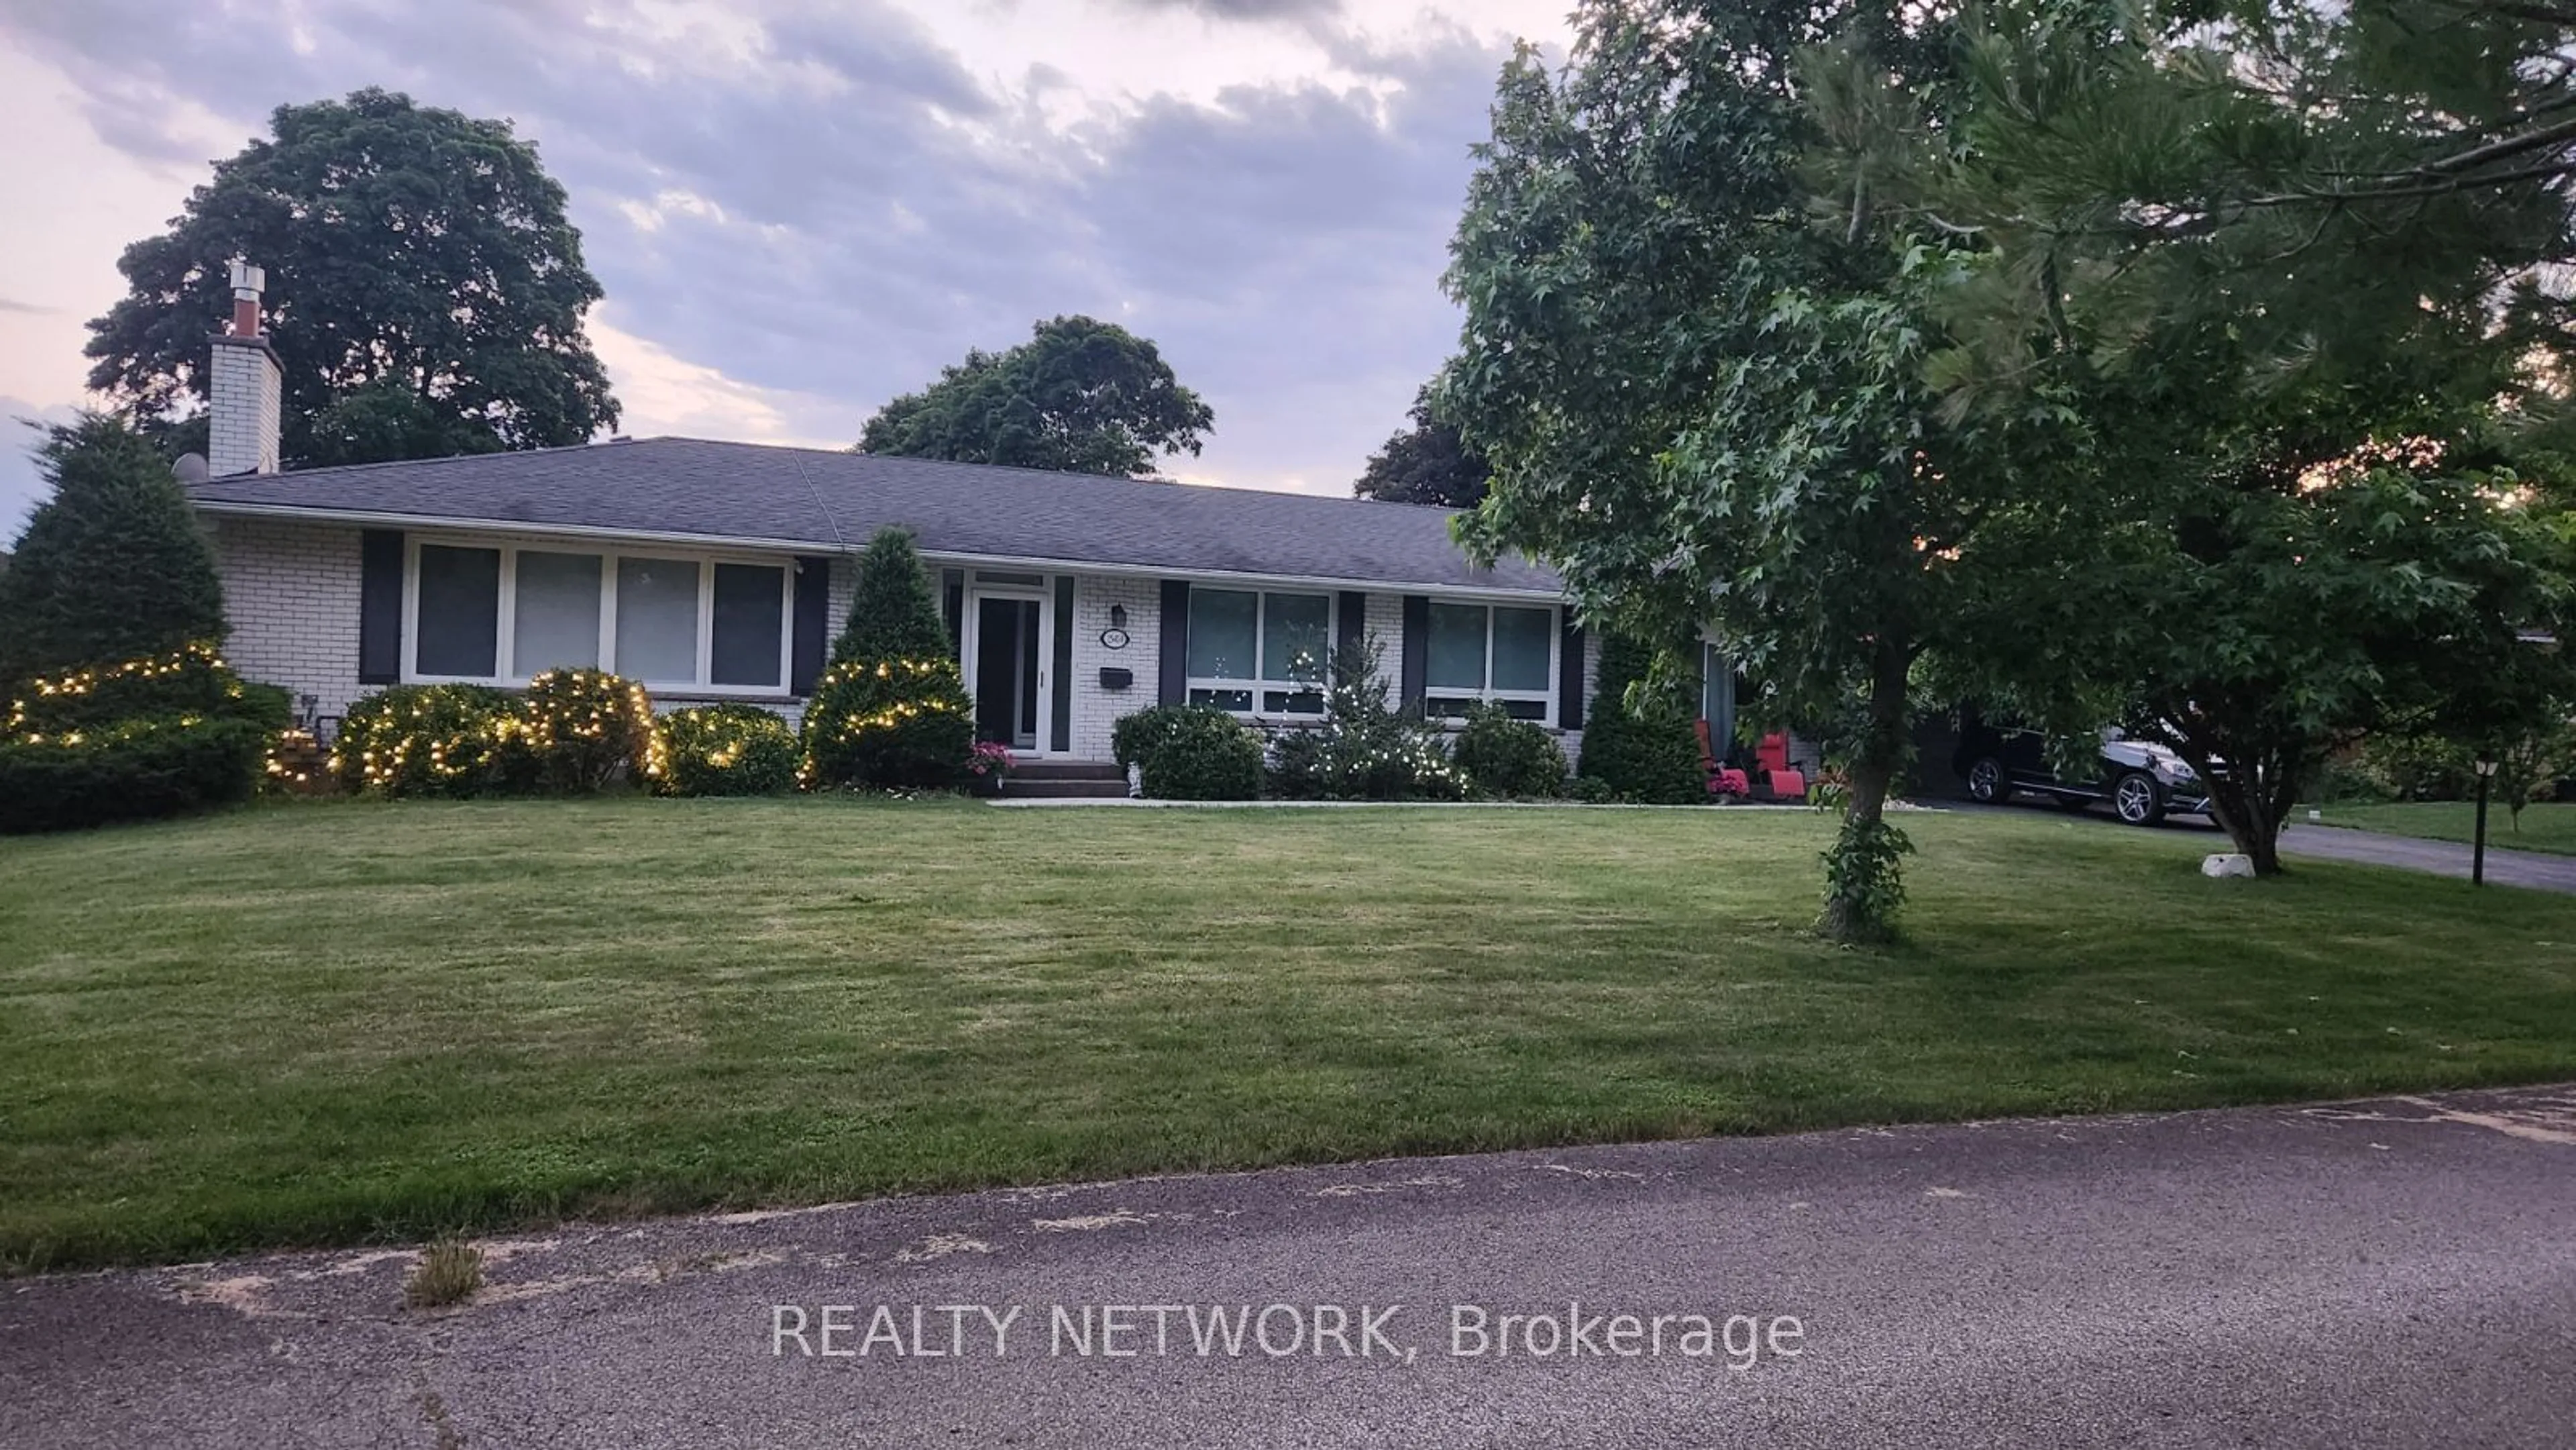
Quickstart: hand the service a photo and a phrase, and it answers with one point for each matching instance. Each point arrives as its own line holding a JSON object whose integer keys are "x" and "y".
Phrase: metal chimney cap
{"x": 248, "y": 280}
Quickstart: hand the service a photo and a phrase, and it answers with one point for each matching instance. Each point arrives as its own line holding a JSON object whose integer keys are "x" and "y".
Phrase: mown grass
{"x": 348, "y": 1022}
{"x": 2545, "y": 826}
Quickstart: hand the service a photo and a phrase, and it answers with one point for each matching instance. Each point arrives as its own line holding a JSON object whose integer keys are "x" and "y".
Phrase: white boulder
{"x": 2227, "y": 863}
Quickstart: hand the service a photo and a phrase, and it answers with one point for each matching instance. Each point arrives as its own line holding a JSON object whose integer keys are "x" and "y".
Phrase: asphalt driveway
{"x": 2389, "y": 1273}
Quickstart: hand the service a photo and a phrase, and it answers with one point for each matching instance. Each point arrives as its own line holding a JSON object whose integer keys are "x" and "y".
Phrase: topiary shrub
{"x": 888, "y": 723}
{"x": 1201, "y": 753}
{"x": 1644, "y": 749}
{"x": 119, "y": 706}
{"x": 450, "y": 741}
{"x": 1508, "y": 758}
{"x": 580, "y": 732}
{"x": 727, "y": 750}
{"x": 1365, "y": 749}
{"x": 113, "y": 566}
{"x": 892, "y": 709}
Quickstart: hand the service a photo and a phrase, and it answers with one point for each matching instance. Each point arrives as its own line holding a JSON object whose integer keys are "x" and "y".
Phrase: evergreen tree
{"x": 1645, "y": 750}
{"x": 894, "y": 614}
{"x": 892, "y": 709}
{"x": 113, "y": 567}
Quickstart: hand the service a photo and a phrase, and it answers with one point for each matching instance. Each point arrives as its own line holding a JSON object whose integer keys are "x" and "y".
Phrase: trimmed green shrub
{"x": 889, "y": 723}
{"x": 114, "y": 566}
{"x": 581, "y": 731}
{"x": 138, "y": 769}
{"x": 1365, "y": 749}
{"x": 133, "y": 740}
{"x": 1507, "y": 757}
{"x": 1200, "y": 753}
{"x": 1590, "y": 790}
{"x": 727, "y": 750}
{"x": 892, "y": 708}
{"x": 1646, "y": 750}
{"x": 1135, "y": 735}
{"x": 427, "y": 740}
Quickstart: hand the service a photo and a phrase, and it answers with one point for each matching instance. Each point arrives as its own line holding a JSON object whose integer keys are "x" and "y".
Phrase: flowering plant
{"x": 990, "y": 758}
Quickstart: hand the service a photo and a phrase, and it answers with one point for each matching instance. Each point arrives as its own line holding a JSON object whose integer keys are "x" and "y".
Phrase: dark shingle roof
{"x": 829, "y": 500}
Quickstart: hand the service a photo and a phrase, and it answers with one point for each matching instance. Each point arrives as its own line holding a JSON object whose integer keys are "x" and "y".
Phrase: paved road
{"x": 2391, "y": 1273}
{"x": 2537, "y": 870}
{"x": 2534, "y": 870}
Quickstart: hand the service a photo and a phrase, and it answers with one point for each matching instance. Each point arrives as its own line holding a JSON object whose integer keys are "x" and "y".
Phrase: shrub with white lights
{"x": 892, "y": 708}
{"x": 727, "y": 750}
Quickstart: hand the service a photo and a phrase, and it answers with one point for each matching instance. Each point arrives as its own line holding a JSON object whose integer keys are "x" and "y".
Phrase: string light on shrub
{"x": 81, "y": 683}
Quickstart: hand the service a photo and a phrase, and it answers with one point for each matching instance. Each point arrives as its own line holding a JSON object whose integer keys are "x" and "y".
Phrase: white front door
{"x": 1004, "y": 648}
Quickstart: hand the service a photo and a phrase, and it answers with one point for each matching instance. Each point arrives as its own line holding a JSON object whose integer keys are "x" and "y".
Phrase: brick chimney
{"x": 246, "y": 386}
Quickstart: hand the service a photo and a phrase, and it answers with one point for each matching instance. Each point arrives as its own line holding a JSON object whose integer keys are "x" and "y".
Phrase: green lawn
{"x": 2548, "y": 826}
{"x": 342, "y": 1022}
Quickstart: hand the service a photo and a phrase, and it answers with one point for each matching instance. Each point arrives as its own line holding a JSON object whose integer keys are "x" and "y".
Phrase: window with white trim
{"x": 1259, "y": 653}
{"x": 506, "y": 613}
{"x": 1490, "y": 652}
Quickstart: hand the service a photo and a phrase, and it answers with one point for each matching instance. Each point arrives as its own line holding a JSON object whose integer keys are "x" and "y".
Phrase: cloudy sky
{"x": 800, "y": 208}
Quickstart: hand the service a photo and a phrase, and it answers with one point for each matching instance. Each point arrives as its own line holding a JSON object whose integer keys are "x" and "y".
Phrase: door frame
{"x": 970, "y": 646}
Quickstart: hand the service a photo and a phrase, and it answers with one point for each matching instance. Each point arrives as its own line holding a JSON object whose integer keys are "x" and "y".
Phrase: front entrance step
{"x": 1023, "y": 786}
{"x": 1070, "y": 770}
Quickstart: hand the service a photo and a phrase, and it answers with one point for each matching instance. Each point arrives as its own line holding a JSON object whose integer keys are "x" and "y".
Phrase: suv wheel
{"x": 1987, "y": 783}
{"x": 2138, "y": 799}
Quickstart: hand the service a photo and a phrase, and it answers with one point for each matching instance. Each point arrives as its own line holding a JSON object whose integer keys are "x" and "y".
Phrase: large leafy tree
{"x": 1701, "y": 386}
{"x": 1427, "y": 463}
{"x": 2288, "y": 263}
{"x": 425, "y": 291}
{"x": 1080, "y": 396}
{"x": 113, "y": 567}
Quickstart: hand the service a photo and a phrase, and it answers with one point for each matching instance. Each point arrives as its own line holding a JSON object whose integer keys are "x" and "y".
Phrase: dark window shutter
{"x": 1417, "y": 648}
{"x": 1569, "y": 677}
{"x": 813, "y": 618}
{"x": 380, "y": 606}
{"x": 1176, "y": 642}
{"x": 1063, "y": 735}
{"x": 952, "y": 587}
{"x": 1351, "y": 630}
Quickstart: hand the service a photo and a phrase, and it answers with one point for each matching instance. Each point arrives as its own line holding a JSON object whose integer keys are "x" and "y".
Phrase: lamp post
{"x": 2478, "y": 854}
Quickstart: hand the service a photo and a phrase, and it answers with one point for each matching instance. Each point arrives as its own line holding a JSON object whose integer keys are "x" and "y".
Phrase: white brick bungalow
{"x": 722, "y": 571}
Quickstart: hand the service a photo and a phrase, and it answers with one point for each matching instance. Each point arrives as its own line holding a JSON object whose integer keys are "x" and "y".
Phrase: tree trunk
{"x": 2251, "y": 793}
{"x": 1851, "y": 911}
{"x": 1863, "y": 882}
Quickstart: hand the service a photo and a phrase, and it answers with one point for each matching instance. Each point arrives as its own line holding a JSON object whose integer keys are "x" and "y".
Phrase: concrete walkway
{"x": 2393, "y": 1273}
{"x": 2536, "y": 870}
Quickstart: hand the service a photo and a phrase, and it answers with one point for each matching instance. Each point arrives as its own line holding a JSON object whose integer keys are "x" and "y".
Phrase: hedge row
{"x": 1367, "y": 752}
{"x": 575, "y": 732}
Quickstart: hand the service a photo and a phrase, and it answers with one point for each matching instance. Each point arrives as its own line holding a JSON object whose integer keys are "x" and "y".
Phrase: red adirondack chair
{"x": 1723, "y": 779}
{"x": 1787, "y": 782}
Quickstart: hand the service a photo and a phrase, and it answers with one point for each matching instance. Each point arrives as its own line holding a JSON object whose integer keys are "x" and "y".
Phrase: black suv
{"x": 2142, "y": 781}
